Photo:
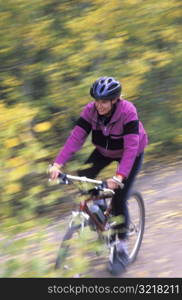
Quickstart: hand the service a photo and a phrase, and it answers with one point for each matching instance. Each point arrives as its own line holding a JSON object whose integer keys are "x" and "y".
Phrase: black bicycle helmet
{"x": 105, "y": 88}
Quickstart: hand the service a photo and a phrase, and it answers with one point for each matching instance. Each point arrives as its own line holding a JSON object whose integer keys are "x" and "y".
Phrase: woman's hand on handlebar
{"x": 111, "y": 184}
{"x": 115, "y": 182}
{"x": 55, "y": 170}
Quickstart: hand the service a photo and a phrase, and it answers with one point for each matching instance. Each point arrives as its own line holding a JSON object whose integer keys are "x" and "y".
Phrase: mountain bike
{"x": 96, "y": 212}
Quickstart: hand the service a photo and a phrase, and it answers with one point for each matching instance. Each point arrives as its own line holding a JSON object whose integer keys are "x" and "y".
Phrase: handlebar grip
{"x": 62, "y": 178}
{"x": 104, "y": 184}
{"x": 121, "y": 184}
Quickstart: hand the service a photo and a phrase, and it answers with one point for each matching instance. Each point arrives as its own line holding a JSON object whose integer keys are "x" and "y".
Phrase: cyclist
{"x": 117, "y": 135}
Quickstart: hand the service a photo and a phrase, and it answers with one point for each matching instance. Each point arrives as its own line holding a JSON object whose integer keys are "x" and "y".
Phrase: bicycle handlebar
{"x": 80, "y": 178}
{"x": 67, "y": 179}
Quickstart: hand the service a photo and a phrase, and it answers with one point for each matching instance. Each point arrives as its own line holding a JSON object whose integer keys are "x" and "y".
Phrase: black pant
{"x": 119, "y": 201}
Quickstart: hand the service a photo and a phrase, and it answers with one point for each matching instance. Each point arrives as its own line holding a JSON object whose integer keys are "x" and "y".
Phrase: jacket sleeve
{"x": 131, "y": 141}
{"x": 76, "y": 138}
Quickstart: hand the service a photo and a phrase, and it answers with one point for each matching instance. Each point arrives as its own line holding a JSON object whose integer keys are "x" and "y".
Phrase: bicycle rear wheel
{"x": 136, "y": 224}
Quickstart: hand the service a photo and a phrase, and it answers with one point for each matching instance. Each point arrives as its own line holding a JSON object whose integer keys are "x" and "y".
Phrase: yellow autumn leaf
{"x": 142, "y": 274}
{"x": 178, "y": 227}
{"x": 162, "y": 260}
{"x": 44, "y": 126}
{"x": 5, "y": 50}
{"x": 149, "y": 192}
{"x": 11, "y": 81}
{"x": 164, "y": 274}
{"x": 170, "y": 34}
{"x": 114, "y": 43}
{"x": 178, "y": 139}
{"x": 10, "y": 143}
{"x": 131, "y": 85}
{"x": 174, "y": 185}
{"x": 51, "y": 67}
{"x": 15, "y": 162}
{"x": 13, "y": 188}
{"x": 35, "y": 190}
{"x": 18, "y": 172}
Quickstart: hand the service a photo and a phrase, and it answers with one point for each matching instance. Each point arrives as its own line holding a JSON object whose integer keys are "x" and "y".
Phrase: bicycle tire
{"x": 63, "y": 249}
{"x": 141, "y": 227}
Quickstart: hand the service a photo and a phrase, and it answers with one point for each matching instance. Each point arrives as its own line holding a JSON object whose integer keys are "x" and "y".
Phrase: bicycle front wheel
{"x": 64, "y": 246}
{"x": 136, "y": 226}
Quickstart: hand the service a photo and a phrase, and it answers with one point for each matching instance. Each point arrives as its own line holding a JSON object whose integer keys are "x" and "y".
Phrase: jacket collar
{"x": 116, "y": 115}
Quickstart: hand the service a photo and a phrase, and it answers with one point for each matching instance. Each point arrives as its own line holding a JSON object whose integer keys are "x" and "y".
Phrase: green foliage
{"x": 50, "y": 53}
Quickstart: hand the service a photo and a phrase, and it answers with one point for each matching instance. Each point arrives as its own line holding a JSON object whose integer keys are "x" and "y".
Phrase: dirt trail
{"x": 161, "y": 250}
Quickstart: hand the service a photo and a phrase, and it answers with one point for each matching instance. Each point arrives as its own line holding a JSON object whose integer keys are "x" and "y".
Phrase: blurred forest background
{"x": 50, "y": 53}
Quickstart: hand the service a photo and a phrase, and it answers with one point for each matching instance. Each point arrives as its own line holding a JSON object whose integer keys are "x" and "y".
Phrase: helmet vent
{"x": 112, "y": 86}
{"x": 95, "y": 85}
{"x": 102, "y": 88}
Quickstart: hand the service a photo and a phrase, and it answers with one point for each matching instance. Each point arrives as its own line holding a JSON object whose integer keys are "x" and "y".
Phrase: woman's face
{"x": 104, "y": 106}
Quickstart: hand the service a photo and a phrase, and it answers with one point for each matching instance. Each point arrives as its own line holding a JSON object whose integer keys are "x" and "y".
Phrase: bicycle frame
{"x": 84, "y": 207}
{"x": 65, "y": 178}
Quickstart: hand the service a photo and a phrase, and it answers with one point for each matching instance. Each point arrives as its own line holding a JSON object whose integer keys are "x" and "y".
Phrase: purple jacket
{"x": 123, "y": 137}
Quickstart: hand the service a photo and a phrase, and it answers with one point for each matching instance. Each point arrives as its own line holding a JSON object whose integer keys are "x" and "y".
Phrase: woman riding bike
{"x": 117, "y": 135}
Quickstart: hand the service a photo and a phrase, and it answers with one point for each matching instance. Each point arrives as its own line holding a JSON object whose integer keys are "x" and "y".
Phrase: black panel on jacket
{"x": 98, "y": 138}
{"x": 84, "y": 124}
{"x": 131, "y": 127}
